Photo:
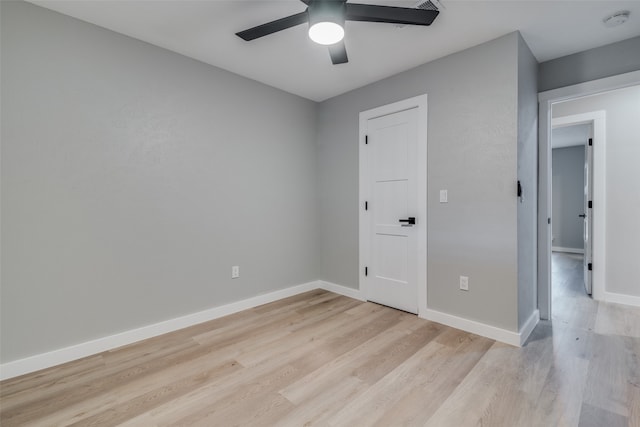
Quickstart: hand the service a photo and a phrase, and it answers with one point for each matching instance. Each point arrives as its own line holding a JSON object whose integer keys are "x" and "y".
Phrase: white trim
{"x": 482, "y": 329}
{"x": 528, "y": 327}
{"x": 568, "y": 250}
{"x": 546, "y": 99}
{"x": 631, "y": 300}
{"x": 341, "y": 290}
{"x": 89, "y": 348}
{"x": 590, "y": 88}
{"x": 78, "y": 351}
{"x": 419, "y": 102}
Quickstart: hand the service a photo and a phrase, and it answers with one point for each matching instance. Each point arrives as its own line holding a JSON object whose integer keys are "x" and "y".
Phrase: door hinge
{"x": 366, "y": 206}
{"x": 366, "y": 271}
{"x": 590, "y": 142}
{"x": 590, "y": 204}
{"x": 366, "y": 139}
{"x": 590, "y": 266}
{"x": 548, "y": 220}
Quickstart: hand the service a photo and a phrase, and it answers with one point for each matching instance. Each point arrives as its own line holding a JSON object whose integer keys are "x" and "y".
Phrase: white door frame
{"x": 546, "y": 100}
{"x": 597, "y": 120}
{"x": 419, "y": 102}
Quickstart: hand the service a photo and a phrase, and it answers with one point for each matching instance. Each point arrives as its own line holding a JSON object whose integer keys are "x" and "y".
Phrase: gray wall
{"x": 472, "y": 152}
{"x": 592, "y": 64}
{"x": 622, "y": 188}
{"x": 133, "y": 179}
{"x": 528, "y": 177}
{"x": 568, "y": 197}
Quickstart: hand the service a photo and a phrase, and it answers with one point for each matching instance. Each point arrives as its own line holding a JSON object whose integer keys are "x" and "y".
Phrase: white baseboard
{"x": 78, "y": 351}
{"x": 529, "y": 326}
{"x": 482, "y": 329}
{"x": 569, "y": 250}
{"x": 514, "y": 338}
{"x": 341, "y": 290}
{"x": 622, "y": 299}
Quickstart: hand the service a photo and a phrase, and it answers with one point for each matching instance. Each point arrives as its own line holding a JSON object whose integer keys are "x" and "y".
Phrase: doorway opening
{"x": 572, "y": 170}
{"x": 562, "y": 101}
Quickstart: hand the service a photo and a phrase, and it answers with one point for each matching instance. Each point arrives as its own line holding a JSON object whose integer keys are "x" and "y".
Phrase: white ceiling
{"x": 569, "y": 136}
{"x": 205, "y": 30}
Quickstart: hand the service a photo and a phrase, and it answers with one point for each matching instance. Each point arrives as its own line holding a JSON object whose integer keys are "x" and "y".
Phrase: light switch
{"x": 443, "y": 196}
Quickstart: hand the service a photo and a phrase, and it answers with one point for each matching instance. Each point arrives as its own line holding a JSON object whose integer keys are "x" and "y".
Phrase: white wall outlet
{"x": 464, "y": 283}
{"x": 235, "y": 272}
{"x": 443, "y": 196}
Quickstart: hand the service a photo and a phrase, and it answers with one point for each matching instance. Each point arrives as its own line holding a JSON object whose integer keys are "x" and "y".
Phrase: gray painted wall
{"x": 622, "y": 187}
{"x": 592, "y": 64}
{"x": 472, "y": 152}
{"x": 528, "y": 177}
{"x": 133, "y": 178}
{"x": 568, "y": 197}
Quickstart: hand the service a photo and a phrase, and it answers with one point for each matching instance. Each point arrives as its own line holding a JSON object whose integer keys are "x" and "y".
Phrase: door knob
{"x": 582, "y": 215}
{"x": 409, "y": 221}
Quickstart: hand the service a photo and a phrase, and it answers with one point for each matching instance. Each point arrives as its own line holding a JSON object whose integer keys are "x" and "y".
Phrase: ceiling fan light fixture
{"x": 326, "y": 21}
{"x": 326, "y": 32}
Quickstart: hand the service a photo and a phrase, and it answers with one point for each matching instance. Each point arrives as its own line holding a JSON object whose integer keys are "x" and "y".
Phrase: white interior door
{"x": 394, "y": 223}
{"x": 587, "y": 215}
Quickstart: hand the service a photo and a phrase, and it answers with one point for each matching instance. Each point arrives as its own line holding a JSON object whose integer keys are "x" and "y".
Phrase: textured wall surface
{"x": 472, "y": 152}
{"x": 133, "y": 178}
{"x": 528, "y": 177}
{"x": 592, "y": 64}
{"x": 568, "y": 197}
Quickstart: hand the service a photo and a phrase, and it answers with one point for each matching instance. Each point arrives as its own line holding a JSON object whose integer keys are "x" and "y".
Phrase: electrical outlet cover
{"x": 464, "y": 283}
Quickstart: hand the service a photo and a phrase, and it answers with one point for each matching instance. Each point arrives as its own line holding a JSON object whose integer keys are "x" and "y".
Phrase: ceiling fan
{"x": 326, "y": 20}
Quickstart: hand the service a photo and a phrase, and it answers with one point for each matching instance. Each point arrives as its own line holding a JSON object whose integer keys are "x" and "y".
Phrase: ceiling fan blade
{"x": 338, "y": 53}
{"x": 274, "y": 26}
{"x": 391, "y": 14}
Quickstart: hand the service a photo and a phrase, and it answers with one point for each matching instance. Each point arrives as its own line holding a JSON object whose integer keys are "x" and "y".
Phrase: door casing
{"x": 546, "y": 100}
{"x": 419, "y": 102}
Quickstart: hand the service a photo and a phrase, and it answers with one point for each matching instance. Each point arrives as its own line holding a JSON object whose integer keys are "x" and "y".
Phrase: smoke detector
{"x": 616, "y": 19}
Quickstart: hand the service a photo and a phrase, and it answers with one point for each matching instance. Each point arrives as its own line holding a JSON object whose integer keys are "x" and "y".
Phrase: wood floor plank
{"x": 606, "y": 386}
{"x": 322, "y": 402}
{"x": 395, "y": 386}
{"x": 592, "y": 416}
{"x": 353, "y": 362}
{"x": 425, "y": 396}
{"x": 44, "y": 379}
{"x": 311, "y": 335}
{"x": 616, "y": 319}
{"x": 560, "y": 401}
{"x": 82, "y": 387}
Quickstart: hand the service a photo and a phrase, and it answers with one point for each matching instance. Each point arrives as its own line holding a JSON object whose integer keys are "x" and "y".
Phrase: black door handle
{"x": 582, "y": 215}
{"x": 409, "y": 221}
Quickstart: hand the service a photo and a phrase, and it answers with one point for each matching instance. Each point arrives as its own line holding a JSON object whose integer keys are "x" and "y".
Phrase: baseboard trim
{"x": 517, "y": 339}
{"x": 89, "y": 348}
{"x": 341, "y": 290}
{"x": 622, "y": 299}
{"x": 568, "y": 250}
{"x": 482, "y": 329}
{"x": 529, "y": 326}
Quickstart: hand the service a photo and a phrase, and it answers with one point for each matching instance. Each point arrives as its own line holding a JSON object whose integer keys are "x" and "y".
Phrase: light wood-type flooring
{"x": 323, "y": 359}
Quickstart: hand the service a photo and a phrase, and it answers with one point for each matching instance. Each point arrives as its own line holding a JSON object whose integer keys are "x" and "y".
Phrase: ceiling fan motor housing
{"x": 327, "y": 11}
